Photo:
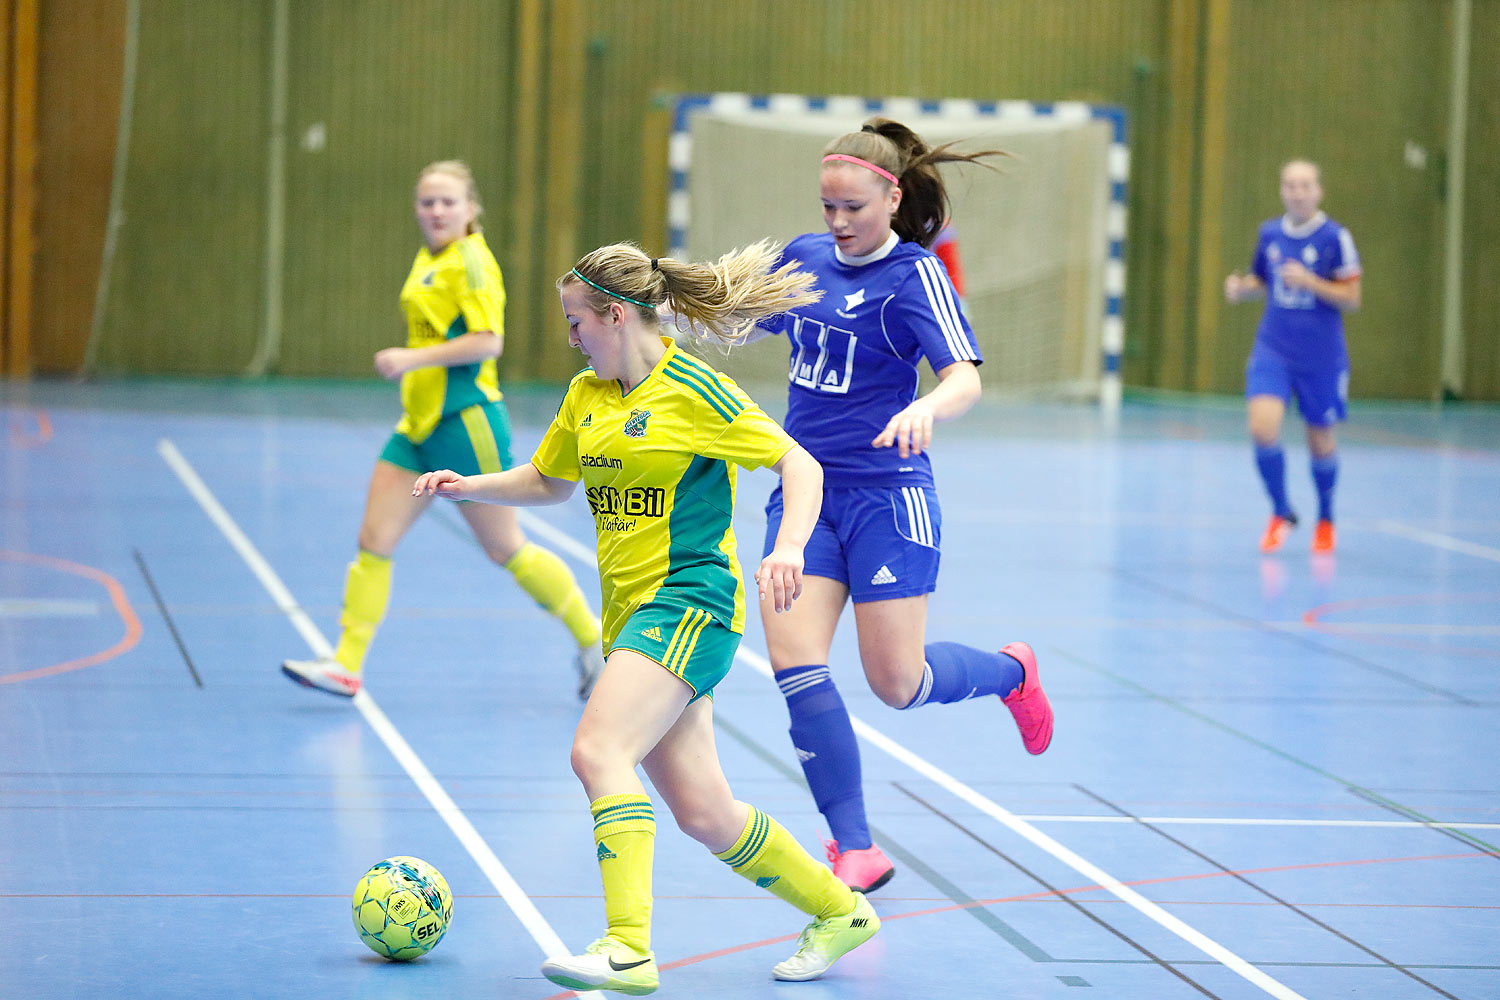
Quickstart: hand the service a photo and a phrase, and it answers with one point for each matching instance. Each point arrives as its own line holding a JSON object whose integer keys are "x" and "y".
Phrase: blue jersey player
{"x": 1308, "y": 271}
{"x": 887, "y": 306}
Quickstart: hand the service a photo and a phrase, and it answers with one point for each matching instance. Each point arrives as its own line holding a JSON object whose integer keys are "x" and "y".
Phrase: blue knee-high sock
{"x": 1271, "y": 461}
{"x": 1325, "y": 473}
{"x": 955, "y": 672}
{"x": 824, "y": 740}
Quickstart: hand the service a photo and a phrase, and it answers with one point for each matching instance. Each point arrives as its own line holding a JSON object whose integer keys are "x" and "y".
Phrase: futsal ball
{"x": 401, "y": 908}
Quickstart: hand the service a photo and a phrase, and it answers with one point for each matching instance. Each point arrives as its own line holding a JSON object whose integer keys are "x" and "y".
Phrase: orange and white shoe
{"x": 863, "y": 870}
{"x": 1323, "y": 537}
{"x": 1028, "y": 703}
{"x": 1277, "y": 531}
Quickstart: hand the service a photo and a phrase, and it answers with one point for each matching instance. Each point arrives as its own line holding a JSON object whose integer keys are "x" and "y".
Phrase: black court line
{"x": 1281, "y": 633}
{"x": 1062, "y": 896}
{"x": 1403, "y": 811}
{"x": 1294, "y": 908}
{"x": 908, "y": 858}
{"x": 162, "y": 607}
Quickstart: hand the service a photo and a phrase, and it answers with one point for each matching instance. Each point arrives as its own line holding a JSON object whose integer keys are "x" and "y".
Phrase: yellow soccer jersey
{"x": 659, "y": 466}
{"x": 445, "y": 296}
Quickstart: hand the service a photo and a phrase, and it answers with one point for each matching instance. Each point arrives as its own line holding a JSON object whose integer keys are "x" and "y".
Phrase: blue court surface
{"x": 1272, "y": 776}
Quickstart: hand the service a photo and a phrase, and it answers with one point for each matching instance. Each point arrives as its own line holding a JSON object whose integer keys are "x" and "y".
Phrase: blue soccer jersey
{"x": 855, "y": 355}
{"x": 1301, "y": 328}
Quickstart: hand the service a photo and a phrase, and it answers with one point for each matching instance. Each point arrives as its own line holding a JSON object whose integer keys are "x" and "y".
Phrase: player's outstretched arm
{"x": 522, "y": 486}
{"x": 910, "y": 430}
{"x": 780, "y": 572}
{"x": 465, "y": 349}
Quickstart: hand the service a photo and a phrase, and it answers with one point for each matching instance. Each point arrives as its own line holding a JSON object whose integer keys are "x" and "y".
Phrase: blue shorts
{"x": 881, "y": 542}
{"x": 1322, "y": 396}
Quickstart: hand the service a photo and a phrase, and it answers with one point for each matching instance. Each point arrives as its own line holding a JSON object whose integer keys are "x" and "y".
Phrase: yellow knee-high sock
{"x": 625, "y": 830}
{"x": 550, "y": 583}
{"x": 771, "y": 858}
{"x": 366, "y": 590}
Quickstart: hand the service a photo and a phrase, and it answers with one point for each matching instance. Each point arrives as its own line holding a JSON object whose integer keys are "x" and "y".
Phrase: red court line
{"x": 43, "y": 434}
{"x": 1313, "y": 618}
{"x": 1049, "y": 894}
{"x": 117, "y": 597}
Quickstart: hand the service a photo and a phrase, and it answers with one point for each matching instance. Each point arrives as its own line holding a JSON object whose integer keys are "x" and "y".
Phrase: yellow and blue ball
{"x": 402, "y": 906}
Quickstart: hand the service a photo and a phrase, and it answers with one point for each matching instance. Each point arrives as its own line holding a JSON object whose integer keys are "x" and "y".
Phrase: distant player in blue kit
{"x": 887, "y": 305}
{"x": 1307, "y": 268}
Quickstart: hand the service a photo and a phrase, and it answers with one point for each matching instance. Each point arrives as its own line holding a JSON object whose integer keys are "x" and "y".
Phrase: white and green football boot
{"x": 824, "y": 942}
{"x": 606, "y": 964}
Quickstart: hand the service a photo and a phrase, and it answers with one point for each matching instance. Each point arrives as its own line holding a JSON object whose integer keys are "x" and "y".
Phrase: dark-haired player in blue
{"x": 887, "y": 305}
{"x": 1308, "y": 270}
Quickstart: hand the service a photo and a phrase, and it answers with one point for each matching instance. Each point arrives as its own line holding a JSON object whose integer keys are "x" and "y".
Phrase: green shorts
{"x": 472, "y": 441}
{"x": 689, "y": 642}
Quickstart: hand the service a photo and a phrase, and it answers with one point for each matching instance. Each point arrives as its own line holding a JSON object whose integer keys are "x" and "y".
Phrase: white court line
{"x": 541, "y": 932}
{"x": 1439, "y": 541}
{"x": 1396, "y": 824}
{"x": 42, "y": 607}
{"x": 1079, "y": 864}
{"x": 1087, "y": 869}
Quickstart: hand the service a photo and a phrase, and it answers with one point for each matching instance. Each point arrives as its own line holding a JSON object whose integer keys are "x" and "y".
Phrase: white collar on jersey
{"x": 879, "y": 253}
{"x": 1307, "y": 228}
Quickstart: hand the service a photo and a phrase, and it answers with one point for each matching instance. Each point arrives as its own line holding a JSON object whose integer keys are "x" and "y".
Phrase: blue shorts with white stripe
{"x": 881, "y": 542}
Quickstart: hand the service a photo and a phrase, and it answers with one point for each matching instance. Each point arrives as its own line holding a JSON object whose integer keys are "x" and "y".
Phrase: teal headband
{"x": 606, "y": 291}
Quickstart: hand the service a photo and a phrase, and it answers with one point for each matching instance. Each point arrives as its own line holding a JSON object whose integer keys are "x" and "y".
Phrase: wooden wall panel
{"x": 379, "y": 89}
{"x": 1481, "y": 273}
{"x": 559, "y": 105}
{"x": 82, "y": 43}
{"x": 186, "y": 285}
{"x": 1346, "y": 85}
{"x": 18, "y": 183}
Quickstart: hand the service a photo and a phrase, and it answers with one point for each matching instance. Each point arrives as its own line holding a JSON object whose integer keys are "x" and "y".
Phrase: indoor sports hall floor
{"x": 1271, "y": 776}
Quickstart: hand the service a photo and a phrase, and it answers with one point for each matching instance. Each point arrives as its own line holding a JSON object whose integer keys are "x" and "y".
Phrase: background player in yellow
{"x": 452, "y": 417}
{"x": 655, "y": 435}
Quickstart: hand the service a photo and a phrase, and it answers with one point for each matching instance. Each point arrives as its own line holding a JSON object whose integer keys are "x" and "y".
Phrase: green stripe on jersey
{"x": 473, "y": 264}
{"x": 702, "y": 382}
{"x": 702, "y": 505}
{"x": 689, "y": 365}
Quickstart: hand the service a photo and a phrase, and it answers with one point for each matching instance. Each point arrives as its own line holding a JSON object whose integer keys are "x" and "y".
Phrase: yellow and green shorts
{"x": 472, "y": 441}
{"x": 689, "y": 642}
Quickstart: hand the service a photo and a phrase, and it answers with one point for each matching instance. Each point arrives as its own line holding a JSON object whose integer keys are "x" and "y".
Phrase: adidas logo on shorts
{"x": 804, "y": 755}
{"x": 652, "y": 633}
{"x": 883, "y": 575}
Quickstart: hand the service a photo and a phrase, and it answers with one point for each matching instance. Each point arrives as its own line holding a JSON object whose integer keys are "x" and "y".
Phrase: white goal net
{"x": 1039, "y": 238}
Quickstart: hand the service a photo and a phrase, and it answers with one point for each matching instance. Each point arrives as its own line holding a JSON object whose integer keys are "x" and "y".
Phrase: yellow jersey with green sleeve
{"x": 659, "y": 464}
{"x": 446, "y": 295}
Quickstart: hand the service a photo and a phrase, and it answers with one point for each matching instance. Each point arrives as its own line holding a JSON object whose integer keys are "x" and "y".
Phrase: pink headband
{"x": 866, "y": 164}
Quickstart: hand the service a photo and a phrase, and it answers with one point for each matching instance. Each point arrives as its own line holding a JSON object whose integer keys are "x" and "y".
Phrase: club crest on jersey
{"x": 1309, "y": 255}
{"x": 850, "y": 301}
{"x": 635, "y": 424}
